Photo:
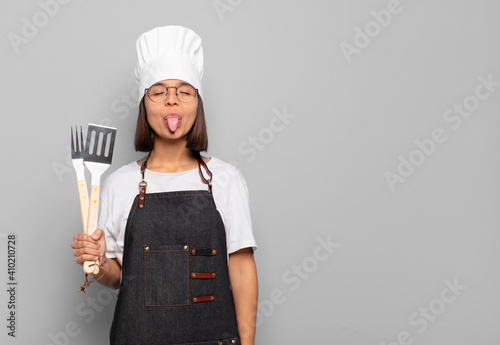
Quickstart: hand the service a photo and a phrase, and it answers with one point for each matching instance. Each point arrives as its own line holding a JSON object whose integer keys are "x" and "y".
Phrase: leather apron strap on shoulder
{"x": 143, "y": 184}
{"x": 208, "y": 181}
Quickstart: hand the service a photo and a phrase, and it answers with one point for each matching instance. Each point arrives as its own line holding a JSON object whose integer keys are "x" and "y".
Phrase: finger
{"x": 84, "y": 237}
{"x": 79, "y": 237}
{"x": 98, "y": 233}
{"x": 85, "y": 245}
{"x": 87, "y": 253}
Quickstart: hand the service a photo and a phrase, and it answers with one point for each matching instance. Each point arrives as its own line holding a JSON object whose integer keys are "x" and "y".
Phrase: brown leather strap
{"x": 142, "y": 193}
{"x": 201, "y": 163}
{"x": 203, "y": 275}
{"x": 208, "y": 181}
{"x": 204, "y": 251}
{"x": 144, "y": 164}
{"x": 143, "y": 184}
{"x": 87, "y": 282}
{"x": 203, "y": 299}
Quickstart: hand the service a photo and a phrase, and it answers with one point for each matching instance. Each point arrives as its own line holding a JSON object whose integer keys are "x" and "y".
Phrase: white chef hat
{"x": 169, "y": 52}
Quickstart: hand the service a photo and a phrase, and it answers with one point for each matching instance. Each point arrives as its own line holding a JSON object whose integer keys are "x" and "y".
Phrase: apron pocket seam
{"x": 165, "y": 284}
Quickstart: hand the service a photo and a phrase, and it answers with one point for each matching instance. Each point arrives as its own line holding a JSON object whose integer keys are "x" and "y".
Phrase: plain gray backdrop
{"x": 367, "y": 131}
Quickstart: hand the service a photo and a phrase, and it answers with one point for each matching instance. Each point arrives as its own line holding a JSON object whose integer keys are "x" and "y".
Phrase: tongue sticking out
{"x": 172, "y": 123}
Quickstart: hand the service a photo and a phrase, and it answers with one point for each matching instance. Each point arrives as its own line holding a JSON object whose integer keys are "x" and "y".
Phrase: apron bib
{"x": 175, "y": 285}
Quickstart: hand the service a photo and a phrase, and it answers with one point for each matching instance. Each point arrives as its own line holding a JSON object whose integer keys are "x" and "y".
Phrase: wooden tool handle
{"x": 83, "y": 196}
{"x": 90, "y": 267}
{"x": 92, "y": 225}
{"x": 93, "y": 209}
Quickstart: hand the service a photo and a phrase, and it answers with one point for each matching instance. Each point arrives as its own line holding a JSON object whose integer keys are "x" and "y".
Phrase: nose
{"x": 171, "y": 98}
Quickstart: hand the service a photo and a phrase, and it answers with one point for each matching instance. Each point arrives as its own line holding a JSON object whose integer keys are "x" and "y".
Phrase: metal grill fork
{"x": 77, "y": 154}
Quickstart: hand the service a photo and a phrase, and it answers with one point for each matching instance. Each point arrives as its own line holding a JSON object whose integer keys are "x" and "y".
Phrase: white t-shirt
{"x": 229, "y": 190}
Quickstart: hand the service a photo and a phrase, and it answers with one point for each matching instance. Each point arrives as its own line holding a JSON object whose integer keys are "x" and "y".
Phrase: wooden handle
{"x": 93, "y": 209}
{"x": 91, "y": 267}
{"x": 92, "y": 225}
{"x": 83, "y": 196}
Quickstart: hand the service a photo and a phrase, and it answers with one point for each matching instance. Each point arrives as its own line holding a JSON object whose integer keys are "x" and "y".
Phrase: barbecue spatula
{"x": 97, "y": 158}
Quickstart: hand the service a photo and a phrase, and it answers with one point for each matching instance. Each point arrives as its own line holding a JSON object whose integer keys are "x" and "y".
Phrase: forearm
{"x": 109, "y": 273}
{"x": 243, "y": 278}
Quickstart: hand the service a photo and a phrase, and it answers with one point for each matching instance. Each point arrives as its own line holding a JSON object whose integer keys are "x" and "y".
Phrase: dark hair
{"x": 197, "y": 138}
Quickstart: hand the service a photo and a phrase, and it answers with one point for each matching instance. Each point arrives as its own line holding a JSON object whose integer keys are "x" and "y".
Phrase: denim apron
{"x": 175, "y": 281}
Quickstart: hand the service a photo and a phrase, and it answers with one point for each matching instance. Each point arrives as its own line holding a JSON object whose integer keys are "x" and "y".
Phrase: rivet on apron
{"x": 193, "y": 252}
{"x": 214, "y": 251}
{"x": 185, "y": 247}
{"x": 233, "y": 341}
{"x": 195, "y": 299}
{"x": 193, "y": 275}
{"x": 213, "y": 275}
{"x": 147, "y": 248}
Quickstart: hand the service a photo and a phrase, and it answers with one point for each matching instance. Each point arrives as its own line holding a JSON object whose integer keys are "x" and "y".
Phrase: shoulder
{"x": 127, "y": 172}
{"x": 228, "y": 184}
{"x": 124, "y": 172}
{"x": 225, "y": 173}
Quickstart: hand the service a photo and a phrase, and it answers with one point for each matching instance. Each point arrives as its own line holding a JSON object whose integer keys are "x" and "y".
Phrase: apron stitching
{"x": 145, "y": 287}
{"x": 145, "y": 280}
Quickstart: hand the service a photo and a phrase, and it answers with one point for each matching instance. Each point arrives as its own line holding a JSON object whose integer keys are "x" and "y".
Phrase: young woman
{"x": 175, "y": 231}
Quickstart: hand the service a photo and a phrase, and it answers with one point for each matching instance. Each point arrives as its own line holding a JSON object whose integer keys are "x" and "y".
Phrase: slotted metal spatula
{"x": 97, "y": 158}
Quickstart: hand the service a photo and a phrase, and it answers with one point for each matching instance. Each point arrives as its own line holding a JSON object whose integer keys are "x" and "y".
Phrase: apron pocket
{"x": 166, "y": 275}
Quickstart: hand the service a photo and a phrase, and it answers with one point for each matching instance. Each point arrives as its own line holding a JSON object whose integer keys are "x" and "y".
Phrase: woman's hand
{"x": 89, "y": 248}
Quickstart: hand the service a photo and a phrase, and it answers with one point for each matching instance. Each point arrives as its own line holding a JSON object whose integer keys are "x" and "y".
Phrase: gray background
{"x": 318, "y": 176}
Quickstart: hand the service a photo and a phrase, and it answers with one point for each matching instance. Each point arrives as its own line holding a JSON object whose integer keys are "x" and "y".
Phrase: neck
{"x": 171, "y": 157}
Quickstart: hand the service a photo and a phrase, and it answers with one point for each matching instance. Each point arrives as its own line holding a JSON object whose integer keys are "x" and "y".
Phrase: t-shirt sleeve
{"x": 239, "y": 222}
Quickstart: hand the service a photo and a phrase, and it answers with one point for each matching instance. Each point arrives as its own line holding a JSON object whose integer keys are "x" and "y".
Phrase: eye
{"x": 186, "y": 90}
{"x": 157, "y": 90}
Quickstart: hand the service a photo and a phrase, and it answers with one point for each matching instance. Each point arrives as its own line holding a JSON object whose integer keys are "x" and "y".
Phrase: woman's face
{"x": 171, "y": 118}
